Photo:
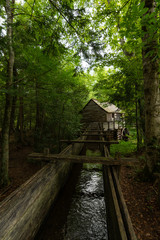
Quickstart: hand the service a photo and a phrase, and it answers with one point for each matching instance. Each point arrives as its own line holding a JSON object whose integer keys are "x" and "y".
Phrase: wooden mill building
{"x": 108, "y": 115}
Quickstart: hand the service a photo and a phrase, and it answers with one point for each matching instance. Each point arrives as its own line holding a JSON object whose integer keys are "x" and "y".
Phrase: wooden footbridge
{"x": 23, "y": 211}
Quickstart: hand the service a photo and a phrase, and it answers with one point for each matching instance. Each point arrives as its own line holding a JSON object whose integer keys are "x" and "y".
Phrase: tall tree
{"x": 133, "y": 27}
{"x": 151, "y": 85}
{"x": 9, "y": 4}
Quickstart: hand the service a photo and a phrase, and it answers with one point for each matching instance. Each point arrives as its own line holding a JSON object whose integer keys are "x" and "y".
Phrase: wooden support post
{"x": 73, "y": 148}
{"x": 108, "y": 147}
{"x": 118, "y": 168}
{"x": 46, "y": 151}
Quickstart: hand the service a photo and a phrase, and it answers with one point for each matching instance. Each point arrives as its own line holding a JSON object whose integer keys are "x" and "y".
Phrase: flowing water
{"x": 79, "y": 213}
{"x": 86, "y": 218}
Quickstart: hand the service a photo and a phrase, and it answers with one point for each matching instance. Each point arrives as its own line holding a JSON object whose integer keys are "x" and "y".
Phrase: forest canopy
{"x": 43, "y": 81}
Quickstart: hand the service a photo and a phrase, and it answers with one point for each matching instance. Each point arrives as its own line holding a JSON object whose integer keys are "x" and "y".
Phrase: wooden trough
{"x": 118, "y": 219}
{"x": 22, "y": 213}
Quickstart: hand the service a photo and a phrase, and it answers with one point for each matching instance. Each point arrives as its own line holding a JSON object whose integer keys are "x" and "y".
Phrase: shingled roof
{"x": 108, "y": 107}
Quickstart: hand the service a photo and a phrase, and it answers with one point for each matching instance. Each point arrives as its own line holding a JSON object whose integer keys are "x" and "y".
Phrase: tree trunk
{"x": 4, "y": 180}
{"x": 30, "y": 117}
{"x": 21, "y": 114}
{"x": 14, "y": 101}
{"x": 12, "y": 127}
{"x": 38, "y": 118}
{"x": 151, "y": 93}
{"x": 137, "y": 127}
{"x": 38, "y": 124}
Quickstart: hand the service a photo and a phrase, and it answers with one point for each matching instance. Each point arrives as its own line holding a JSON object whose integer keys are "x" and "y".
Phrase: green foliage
{"x": 91, "y": 153}
{"x": 48, "y": 88}
{"x": 90, "y": 166}
{"x": 122, "y": 85}
{"x": 49, "y": 40}
{"x": 125, "y": 148}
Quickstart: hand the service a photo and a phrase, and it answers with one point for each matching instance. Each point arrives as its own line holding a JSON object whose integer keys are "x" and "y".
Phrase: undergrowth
{"x": 125, "y": 148}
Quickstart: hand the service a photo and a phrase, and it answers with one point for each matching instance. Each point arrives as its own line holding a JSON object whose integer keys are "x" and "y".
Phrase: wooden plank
{"x": 94, "y": 130}
{"x": 96, "y": 135}
{"x": 90, "y": 141}
{"x": 120, "y": 229}
{"x": 82, "y": 159}
{"x": 124, "y": 211}
{"x": 101, "y": 131}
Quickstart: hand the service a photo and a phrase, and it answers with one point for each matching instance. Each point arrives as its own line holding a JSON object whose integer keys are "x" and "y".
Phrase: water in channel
{"x": 79, "y": 213}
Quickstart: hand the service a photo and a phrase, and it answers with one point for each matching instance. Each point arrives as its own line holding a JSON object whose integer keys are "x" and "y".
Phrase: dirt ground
{"x": 142, "y": 202}
{"x": 20, "y": 170}
{"x": 141, "y": 197}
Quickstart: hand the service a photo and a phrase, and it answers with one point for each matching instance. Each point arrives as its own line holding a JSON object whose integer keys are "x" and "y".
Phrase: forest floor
{"x": 142, "y": 202}
{"x": 141, "y": 197}
{"x": 20, "y": 170}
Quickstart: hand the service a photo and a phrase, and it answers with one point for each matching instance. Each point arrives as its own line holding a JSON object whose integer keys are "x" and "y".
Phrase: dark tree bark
{"x": 30, "y": 117}
{"x": 21, "y": 115}
{"x": 38, "y": 115}
{"x": 4, "y": 179}
{"x": 151, "y": 92}
{"x": 12, "y": 127}
{"x": 14, "y": 101}
{"x": 139, "y": 119}
{"x": 21, "y": 118}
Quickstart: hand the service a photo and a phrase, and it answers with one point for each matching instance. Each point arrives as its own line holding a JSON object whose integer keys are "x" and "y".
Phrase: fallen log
{"x": 24, "y": 210}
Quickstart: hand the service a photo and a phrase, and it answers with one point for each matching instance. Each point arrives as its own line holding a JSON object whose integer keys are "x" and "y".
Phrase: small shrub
{"x": 125, "y": 147}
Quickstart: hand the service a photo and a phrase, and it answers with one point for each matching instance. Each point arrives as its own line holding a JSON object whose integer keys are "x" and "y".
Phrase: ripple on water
{"x": 86, "y": 219}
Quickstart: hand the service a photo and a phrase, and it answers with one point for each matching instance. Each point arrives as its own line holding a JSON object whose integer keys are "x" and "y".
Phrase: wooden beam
{"x": 89, "y": 134}
{"x": 109, "y": 161}
{"x": 101, "y": 131}
{"x": 90, "y": 141}
{"x": 94, "y": 131}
